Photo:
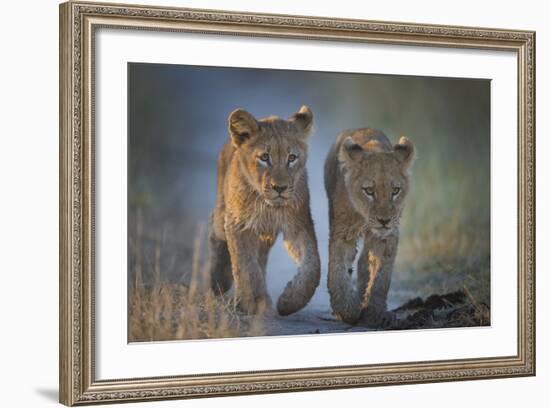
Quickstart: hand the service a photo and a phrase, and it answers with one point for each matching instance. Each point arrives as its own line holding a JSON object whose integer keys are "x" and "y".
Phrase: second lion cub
{"x": 366, "y": 180}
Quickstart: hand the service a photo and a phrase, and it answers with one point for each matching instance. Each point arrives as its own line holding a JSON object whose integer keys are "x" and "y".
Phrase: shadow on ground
{"x": 49, "y": 394}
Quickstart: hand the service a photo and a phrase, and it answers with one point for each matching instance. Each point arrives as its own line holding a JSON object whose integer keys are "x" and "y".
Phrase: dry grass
{"x": 166, "y": 311}
{"x": 161, "y": 311}
{"x": 446, "y": 218}
{"x": 475, "y": 312}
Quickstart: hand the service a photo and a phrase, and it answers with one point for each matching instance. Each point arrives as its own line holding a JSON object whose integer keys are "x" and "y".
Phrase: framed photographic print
{"x": 256, "y": 203}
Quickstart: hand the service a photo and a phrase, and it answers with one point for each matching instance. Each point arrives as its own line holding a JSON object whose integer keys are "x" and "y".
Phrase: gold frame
{"x": 78, "y": 22}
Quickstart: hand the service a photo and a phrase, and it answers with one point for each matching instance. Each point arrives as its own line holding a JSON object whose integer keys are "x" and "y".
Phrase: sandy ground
{"x": 307, "y": 321}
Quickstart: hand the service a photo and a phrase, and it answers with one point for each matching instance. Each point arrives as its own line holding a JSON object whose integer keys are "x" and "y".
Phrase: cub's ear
{"x": 303, "y": 120}
{"x": 242, "y": 126}
{"x": 405, "y": 152}
{"x": 350, "y": 151}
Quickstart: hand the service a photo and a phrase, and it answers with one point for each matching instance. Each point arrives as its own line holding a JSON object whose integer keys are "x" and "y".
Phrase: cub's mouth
{"x": 277, "y": 201}
{"x": 277, "y": 195}
{"x": 383, "y": 231}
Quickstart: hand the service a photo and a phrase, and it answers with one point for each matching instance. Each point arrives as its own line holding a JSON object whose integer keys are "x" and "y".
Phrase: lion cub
{"x": 367, "y": 181}
{"x": 263, "y": 191}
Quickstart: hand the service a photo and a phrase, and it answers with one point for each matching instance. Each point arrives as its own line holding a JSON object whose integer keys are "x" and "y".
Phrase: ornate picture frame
{"x": 78, "y": 24}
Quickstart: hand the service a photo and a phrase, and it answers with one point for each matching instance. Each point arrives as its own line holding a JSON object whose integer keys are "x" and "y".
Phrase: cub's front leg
{"x": 344, "y": 300}
{"x": 375, "y": 269}
{"x": 250, "y": 287}
{"x": 301, "y": 244}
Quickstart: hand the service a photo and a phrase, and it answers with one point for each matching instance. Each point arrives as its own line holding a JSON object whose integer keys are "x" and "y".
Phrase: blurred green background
{"x": 178, "y": 123}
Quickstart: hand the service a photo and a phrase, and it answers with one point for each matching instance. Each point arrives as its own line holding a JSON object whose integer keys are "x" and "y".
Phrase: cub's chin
{"x": 383, "y": 232}
{"x": 277, "y": 201}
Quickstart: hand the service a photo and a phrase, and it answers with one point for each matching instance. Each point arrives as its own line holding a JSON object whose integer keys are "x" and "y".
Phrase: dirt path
{"x": 452, "y": 309}
{"x": 308, "y": 321}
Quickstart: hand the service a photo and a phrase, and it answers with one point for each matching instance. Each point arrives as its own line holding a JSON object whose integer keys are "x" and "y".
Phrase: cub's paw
{"x": 254, "y": 306}
{"x": 286, "y": 305}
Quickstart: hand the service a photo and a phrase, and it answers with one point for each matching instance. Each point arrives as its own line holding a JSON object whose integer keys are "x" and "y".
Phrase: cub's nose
{"x": 278, "y": 189}
{"x": 383, "y": 221}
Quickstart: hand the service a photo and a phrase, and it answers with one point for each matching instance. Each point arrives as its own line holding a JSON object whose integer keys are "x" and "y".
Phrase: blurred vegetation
{"x": 160, "y": 310}
{"x": 177, "y": 124}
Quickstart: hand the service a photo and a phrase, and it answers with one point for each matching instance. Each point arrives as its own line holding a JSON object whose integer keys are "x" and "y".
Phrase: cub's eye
{"x": 395, "y": 191}
{"x": 265, "y": 157}
{"x": 369, "y": 191}
{"x": 292, "y": 158}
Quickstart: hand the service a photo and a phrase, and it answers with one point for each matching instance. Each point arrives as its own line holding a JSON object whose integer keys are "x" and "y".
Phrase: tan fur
{"x": 362, "y": 173}
{"x": 257, "y": 200}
